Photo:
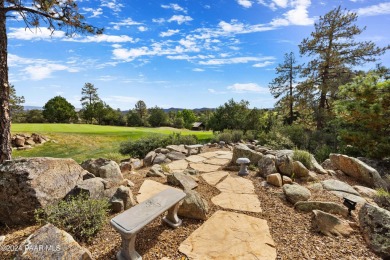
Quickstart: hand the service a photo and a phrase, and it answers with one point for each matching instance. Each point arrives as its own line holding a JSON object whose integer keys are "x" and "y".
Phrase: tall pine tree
{"x": 335, "y": 52}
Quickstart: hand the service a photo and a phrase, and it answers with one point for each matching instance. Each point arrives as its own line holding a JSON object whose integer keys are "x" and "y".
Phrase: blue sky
{"x": 184, "y": 53}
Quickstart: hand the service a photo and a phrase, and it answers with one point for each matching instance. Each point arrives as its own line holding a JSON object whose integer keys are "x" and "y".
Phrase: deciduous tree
{"x": 55, "y": 15}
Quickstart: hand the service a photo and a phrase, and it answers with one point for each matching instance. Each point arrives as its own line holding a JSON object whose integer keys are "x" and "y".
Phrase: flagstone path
{"x": 232, "y": 235}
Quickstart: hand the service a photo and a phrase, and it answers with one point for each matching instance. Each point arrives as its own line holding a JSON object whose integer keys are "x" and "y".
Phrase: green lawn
{"x": 81, "y": 141}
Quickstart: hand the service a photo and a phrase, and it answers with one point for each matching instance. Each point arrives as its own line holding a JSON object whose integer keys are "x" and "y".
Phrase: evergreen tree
{"x": 55, "y": 15}
{"x": 59, "y": 110}
{"x": 335, "y": 51}
{"x": 283, "y": 84}
{"x": 142, "y": 111}
{"x": 89, "y": 101}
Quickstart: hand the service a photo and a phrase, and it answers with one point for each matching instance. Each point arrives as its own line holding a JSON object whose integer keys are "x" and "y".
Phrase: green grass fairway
{"x": 81, "y": 141}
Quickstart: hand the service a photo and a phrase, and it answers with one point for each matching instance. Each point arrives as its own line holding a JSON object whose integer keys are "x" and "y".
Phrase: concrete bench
{"x": 194, "y": 146}
{"x": 130, "y": 222}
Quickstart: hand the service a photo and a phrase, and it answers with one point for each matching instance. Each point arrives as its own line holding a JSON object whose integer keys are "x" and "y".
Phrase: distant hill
{"x": 26, "y": 108}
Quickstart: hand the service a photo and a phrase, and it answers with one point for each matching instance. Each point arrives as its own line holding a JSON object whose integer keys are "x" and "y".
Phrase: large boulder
{"x": 194, "y": 206}
{"x": 275, "y": 179}
{"x": 93, "y": 187}
{"x": 160, "y": 158}
{"x": 375, "y": 226}
{"x": 342, "y": 190}
{"x": 104, "y": 168}
{"x": 49, "y": 242}
{"x": 243, "y": 151}
{"x": 295, "y": 193}
{"x": 31, "y": 183}
{"x": 284, "y": 164}
{"x": 359, "y": 170}
{"x": 267, "y": 165}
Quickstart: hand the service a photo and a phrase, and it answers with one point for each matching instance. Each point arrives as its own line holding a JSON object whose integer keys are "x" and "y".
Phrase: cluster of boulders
{"x": 279, "y": 169}
{"x": 24, "y": 141}
{"x": 165, "y": 155}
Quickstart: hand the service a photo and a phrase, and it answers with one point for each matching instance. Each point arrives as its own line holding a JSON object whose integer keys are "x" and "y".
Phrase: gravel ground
{"x": 291, "y": 230}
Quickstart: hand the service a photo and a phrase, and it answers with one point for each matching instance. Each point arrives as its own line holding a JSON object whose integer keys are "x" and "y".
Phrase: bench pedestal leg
{"x": 128, "y": 250}
{"x": 171, "y": 218}
{"x": 188, "y": 152}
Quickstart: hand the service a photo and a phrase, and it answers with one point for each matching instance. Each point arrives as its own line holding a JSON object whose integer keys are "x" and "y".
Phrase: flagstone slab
{"x": 225, "y": 156}
{"x": 230, "y": 235}
{"x": 213, "y": 178}
{"x": 150, "y": 188}
{"x": 242, "y": 202}
{"x": 202, "y": 167}
{"x": 195, "y": 158}
{"x": 179, "y": 165}
{"x": 217, "y": 161}
{"x": 236, "y": 185}
{"x": 209, "y": 154}
{"x": 224, "y": 152}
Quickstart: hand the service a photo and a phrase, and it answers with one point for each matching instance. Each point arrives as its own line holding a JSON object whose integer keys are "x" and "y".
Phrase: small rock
{"x": 148, "y": 160}
{"x": 159, "y": 159}
{"x": 329, "y": 207}
{"x": 155, "y": 171}
{"x": 300, "y": 170}
{"x": 125, "y": 195}
{"x": 365, "y": 192}
{"x": 287, "y": 180}
{"x": 295, "y": 193}
{"x": 329, "y": 224}
{"x": 2, "y": 239}
{"x": 275, "y": 179}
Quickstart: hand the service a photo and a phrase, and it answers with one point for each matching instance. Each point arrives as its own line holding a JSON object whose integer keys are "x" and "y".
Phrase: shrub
{"x": 322, "y": 153}
{"x": 140, "y": 148}
{"x": 297, "y": 134}
{"x": 250, "y": 136}
{"x": 383, "y": 199}
{"x": 80, "y": 216}
{"x": 304, "y": 157}
{"x": 226, "y": 137}
{"x": 237, "y": 136}
{"x": 178, "y": 138}
{"x": 275, "y": 140}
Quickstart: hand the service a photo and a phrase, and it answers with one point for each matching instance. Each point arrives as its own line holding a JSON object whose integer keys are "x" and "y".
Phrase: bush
{"x": 141, "y": 147}
{"x": 80, "y": 216}
{"x": 226, "y": 137}
{"x": 304, "y": 157}
{"x": 383, "y": 199}
{"x": 275, "y": 140}
{"x": 322, "y": 153}
{"x": 237, "y": 136}
{"x": 250, "y": 136}
{"x": 297, "y": 134}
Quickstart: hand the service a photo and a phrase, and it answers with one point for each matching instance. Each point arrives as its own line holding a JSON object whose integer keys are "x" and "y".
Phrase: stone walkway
{"x": 232, "y": 235}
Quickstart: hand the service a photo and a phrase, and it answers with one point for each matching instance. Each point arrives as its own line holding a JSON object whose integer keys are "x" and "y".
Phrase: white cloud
{"x": 175, "y": 7}
{"x": 245, "y": 3}
{"x": 113, "y": 5}
{"x": 373, "y": 10}
{"x": 299, "y": 15}
{"x": 126, "y": 22}
{"x": 95, "y": 12}
{"x": 40, "y": 72}
{"x": 142, "y": 28}
{"x": 281, "y": 3}
{"x": 103, "y": 38}
{"x": 158, "y": 20}
{"x": 263, "y": 64}
{"x": 198, "y": 70}
{"x": 180, "y": 19}
{"x": 247, "y": 87}
{"x": 40, "y": 33}
{"x": 236, "y": 60}
{"x": 168, "y": 33}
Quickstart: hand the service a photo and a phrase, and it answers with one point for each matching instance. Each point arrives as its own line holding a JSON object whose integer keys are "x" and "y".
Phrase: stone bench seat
{"x": 194, "y": 146}
{"x": 130, "y": 222}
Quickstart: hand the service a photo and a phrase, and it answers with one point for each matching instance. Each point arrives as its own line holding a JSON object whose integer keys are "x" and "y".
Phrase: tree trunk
{"x": 5, "y": 120}
{"x": 291, "y": 92}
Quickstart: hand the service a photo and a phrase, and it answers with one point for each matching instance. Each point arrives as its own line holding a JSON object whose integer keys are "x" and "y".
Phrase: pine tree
{"x": 335, "y": 52}
{"x": 56, "y": 15}
{"x": 283, "y": 84}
